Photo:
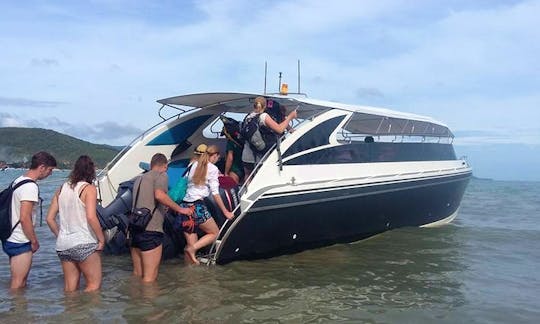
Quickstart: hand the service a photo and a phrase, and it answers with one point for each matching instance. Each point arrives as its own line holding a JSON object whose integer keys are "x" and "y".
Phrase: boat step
{"x": 207, "y": 259}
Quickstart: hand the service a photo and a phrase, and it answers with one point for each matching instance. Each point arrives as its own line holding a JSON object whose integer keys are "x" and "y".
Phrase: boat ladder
{"x": 210, "y": 257}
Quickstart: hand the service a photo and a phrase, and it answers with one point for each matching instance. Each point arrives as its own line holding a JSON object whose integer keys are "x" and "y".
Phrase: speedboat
{"x": 346, "y": 173}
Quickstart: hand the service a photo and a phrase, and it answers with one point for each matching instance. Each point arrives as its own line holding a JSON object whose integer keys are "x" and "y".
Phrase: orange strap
{"x": 190, "y": 223}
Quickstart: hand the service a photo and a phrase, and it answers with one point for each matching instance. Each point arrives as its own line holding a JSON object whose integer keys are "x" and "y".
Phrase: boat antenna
{"x": 298, "y": 75}
{"x": 279, "y": 86}
{"x": 265, "y": 73}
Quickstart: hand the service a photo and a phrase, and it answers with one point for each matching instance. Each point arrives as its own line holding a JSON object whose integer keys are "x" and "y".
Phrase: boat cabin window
{"x": 181, "y": 132}
{"x": 317, "y": 136}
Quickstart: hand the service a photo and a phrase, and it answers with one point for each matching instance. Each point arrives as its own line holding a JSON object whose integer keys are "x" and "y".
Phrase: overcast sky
{"x": 94, "y": 69}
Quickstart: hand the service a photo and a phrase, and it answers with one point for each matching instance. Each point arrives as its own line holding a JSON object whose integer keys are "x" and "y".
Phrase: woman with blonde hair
{"x": 203, "y": 181}
{"x": 268, "y": 124}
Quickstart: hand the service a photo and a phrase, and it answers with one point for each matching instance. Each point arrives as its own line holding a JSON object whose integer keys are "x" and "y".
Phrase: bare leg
{"x": 20, "y": 268}
{"x": 137, "y": 262}
{"x": 91, "y": 269}
{"x": 189, "y": 250}
{"x": 72, "y": 276}
{"x": 150, "y": 263}
{"x": 234, "y": 176}
{"x": 211, "y": 229}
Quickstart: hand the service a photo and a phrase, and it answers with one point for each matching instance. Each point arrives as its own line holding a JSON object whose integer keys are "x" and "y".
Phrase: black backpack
{"x": 259, "y": 138}
{"x": 5, "y": 209}
{"x": 273, "y": 109}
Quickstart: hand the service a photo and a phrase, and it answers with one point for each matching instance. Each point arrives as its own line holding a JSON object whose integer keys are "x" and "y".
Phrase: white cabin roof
{"x": 239, "y": 102}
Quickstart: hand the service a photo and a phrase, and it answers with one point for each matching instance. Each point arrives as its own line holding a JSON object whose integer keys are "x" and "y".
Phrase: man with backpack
{"x": 260, "y": 131}
{"x": 23, "y": 243}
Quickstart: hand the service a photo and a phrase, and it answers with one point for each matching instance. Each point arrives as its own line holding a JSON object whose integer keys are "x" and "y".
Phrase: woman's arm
{"x": 90, "y": 200}
{"x": 281, "y": 127}
{"x": 221, "y": 206}
{"x": 51, "y": 214}
{"x": 213, "y": 183}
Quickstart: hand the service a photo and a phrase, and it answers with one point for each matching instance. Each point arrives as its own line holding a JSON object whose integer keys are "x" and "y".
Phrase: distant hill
{"x": 17, "y": 145}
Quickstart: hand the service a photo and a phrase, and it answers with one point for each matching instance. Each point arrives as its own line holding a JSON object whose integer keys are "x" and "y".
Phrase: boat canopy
{"x": 365, "y": 119}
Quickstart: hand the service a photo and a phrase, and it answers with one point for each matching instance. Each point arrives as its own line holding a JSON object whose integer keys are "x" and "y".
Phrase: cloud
{"x": 44, "y": 62}
{"x": 471, "y": 64}
{"x": 369, "y": 93}
{"x": 23, "y": 102}
{"x": 111, "y": 133}
{"x": 525, "y": 136}
{"x": 7, "y": 120}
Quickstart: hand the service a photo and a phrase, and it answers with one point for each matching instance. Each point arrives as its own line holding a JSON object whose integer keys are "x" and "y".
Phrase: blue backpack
{"x": 5, "y": 209}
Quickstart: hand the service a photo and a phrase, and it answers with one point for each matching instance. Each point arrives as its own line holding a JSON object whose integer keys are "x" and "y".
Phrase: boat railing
{"x": 142, "y": 135}
{"x": 350, "y": 137}
{"x": 104, "y": 173}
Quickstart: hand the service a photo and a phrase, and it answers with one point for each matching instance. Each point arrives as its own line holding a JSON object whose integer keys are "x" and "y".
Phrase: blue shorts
{"x": 12, "y": 249}
{"x": 200, "y": 215}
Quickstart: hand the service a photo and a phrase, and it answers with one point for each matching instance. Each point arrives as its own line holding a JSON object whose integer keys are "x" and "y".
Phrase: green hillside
{"x": 17, "y": 145}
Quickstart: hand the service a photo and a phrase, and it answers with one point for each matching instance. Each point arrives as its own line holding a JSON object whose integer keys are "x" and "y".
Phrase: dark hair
{"x": 83, "y": 170}
{"x": 158, "y": 159}
{"x": 42, "y": 158}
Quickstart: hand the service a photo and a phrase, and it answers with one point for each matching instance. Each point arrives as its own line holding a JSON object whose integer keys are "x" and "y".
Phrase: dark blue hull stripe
{"x": 310, "y": 196}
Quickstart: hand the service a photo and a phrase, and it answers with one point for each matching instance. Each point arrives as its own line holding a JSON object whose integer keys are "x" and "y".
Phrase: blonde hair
{"x": 260, "y": 100}
{"x": 199, "y": 177}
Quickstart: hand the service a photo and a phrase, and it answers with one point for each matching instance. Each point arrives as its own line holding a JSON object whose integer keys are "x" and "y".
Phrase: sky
{"x": 94, "y": 69}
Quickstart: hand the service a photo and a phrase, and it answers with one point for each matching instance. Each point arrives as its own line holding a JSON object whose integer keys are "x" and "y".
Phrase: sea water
{"x": 482, "y": 268}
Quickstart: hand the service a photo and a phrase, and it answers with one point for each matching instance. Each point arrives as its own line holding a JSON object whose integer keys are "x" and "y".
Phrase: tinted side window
{"x": 317, "y": 136}
{"x": 377, "y": 152}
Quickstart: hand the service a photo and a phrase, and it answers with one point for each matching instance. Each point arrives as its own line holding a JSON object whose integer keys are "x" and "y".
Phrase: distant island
{"x": 17, "y": 145}
{"x": 478, "y": 178}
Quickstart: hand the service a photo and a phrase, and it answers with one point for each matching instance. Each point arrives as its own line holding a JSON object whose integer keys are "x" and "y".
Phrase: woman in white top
{"x": 79, "y": 237}
{"x": 250, "y": 158}
{"x": 203, "y": 181}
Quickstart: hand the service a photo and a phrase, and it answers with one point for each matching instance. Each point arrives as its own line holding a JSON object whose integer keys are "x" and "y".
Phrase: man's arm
{"x": 164, "y": 199}
{"x": 27, "y": 225}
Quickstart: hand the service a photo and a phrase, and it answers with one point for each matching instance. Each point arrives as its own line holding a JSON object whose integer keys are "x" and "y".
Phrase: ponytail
{"x": 199, "y": 177}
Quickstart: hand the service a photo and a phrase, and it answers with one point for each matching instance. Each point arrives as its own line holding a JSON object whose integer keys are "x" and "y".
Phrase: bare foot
{"x": 190, "y": 252}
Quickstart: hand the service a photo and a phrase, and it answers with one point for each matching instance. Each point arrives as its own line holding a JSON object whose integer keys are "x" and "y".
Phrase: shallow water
{"x": 483, "y": 268}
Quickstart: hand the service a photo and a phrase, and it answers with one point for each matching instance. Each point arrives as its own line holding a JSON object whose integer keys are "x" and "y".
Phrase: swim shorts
{"x": 200, "y": 215}
{"x": 78, "y": 253}
{"x": 12, "y": 249}
{"x": 147, "y": 240}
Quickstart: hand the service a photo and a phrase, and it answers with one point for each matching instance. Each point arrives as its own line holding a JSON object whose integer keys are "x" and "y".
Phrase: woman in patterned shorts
{"x": 79, "y": 237}
{"x": 203, "y": 181}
